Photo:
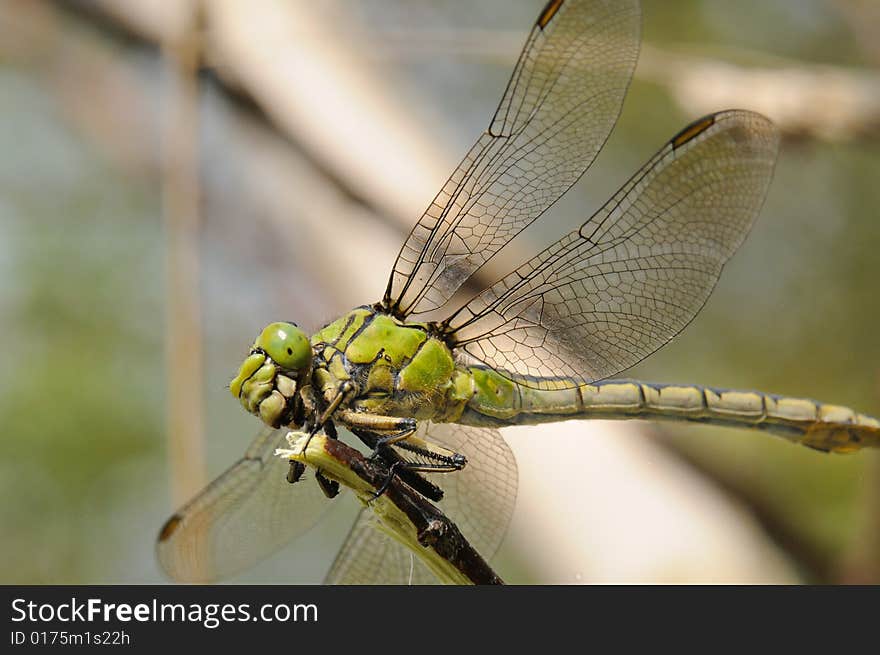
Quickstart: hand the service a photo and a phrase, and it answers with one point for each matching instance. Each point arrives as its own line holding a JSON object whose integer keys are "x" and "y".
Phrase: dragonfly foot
{"x": 382, "y": 489}
{"x": 295, "y": 472}
{"x": 328, "y": 486}
{"x": 390, "y": 439}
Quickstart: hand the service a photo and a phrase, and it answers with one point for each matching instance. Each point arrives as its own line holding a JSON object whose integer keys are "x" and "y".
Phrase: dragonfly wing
{"x": 369, "y": 556}
{"x": 243, "y": 516}
{"x": 635, "y": 274}
{"x": 559, "y": 108}
{"x": 479, "y": 499}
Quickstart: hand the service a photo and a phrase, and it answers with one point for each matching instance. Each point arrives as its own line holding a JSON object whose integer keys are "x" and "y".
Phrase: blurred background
{"x": 175, "y": 175}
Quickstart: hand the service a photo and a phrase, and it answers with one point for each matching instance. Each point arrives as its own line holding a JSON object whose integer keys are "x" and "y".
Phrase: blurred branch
{"x": 278, "y": 187}
{"x": 260, "y": 53}
{"x": 815, "y": 563}
{"x": 822, "y": 102}
{"x": 270, "y": 50}
{"x": 252, "y": 48}
{"x": 181, "y": 204}
{"x": 403, "y": 513}
{"x": 814, "y": 101}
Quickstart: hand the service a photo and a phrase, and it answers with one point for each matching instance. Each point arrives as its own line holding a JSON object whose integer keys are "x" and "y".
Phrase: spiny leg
{"x": 436, "y": 459}
{"x": 384, "y": 487}
{"x": 334, "y": 400}
{"x": 379, "y": 432}
{"x": 376, "y": 423}
{"x": 399, "y": 467}
{"x": 440, "y": 459}
{"x": 329, "y": 487}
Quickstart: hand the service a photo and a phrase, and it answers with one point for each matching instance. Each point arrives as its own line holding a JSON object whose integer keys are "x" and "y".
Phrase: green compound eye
{"x": 286, "y": 344}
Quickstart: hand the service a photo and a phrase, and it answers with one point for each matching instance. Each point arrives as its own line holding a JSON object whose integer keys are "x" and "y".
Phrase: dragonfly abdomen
{"x": 498, "y": 401}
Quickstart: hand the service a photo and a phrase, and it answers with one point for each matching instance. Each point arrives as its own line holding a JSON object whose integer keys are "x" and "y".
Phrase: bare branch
{"x": 825, "y": 102}
{"x": 181, "y": 207}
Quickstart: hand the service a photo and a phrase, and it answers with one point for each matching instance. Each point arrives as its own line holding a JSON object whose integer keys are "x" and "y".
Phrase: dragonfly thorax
{"x": 396, "y": 368}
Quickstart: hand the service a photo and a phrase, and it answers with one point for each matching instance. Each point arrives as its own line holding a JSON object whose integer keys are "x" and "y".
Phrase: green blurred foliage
{"x": 81, "y": 388}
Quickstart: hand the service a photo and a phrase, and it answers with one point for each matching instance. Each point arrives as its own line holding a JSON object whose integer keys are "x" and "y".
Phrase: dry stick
{"x": 403, "y": 513}
{"x": 181, "y": 205}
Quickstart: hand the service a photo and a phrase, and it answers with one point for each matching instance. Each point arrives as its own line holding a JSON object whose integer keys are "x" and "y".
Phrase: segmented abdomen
{"x": 818, "y": 425}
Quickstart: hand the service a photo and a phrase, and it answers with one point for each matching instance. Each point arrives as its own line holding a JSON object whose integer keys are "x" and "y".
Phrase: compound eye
{"x": 287, "y": 345}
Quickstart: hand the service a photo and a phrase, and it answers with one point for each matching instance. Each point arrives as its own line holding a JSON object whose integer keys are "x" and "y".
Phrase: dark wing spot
{"x": 170, "y": 526}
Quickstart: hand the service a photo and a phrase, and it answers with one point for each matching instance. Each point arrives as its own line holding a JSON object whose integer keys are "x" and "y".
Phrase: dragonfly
{"x": 541, "y": 344}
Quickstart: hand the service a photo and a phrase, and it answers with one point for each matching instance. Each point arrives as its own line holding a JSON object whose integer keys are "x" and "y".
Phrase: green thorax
{"x": 400, "y": 369}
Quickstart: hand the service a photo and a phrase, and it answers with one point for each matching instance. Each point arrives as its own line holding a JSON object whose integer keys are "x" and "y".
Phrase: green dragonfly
{"x": 538, "y": 345}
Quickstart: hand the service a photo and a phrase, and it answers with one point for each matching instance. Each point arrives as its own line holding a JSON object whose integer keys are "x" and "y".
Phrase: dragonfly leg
{"x": 324, "y": 422}
{"x": 328, "y": 486}
{"x": 439, "y": 459}
{"x": 433, "y": 458}
{"x": 382, "y": 489}
{"x": 334, "y": 400}
{"x": 409, "y": 472}
{"x": 393, "y": 438}
{"x": 398, "y": 466}
{"x": 295, "y": 472}
{"x": 379, "y": 432}
{"x": 405, "y": 471}
{"x": 376, "y": 423}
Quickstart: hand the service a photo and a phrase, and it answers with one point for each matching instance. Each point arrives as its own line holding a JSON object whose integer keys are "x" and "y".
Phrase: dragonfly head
{"x": 269, "y": 377}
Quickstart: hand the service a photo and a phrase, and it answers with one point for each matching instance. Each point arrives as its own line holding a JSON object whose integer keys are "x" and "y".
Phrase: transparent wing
{"x": 240, "y": 518}
{"x": 559, "y": 107}
{"x": 479, "y": 499}
{"x": 369, "y": 556}
{"x": 636, "y": 273}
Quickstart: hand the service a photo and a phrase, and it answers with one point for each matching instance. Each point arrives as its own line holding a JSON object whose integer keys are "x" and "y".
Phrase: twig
{"x": 181, "y": 205}
{"x": 404, "y": 514}
{"x": 825, "y": 102}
